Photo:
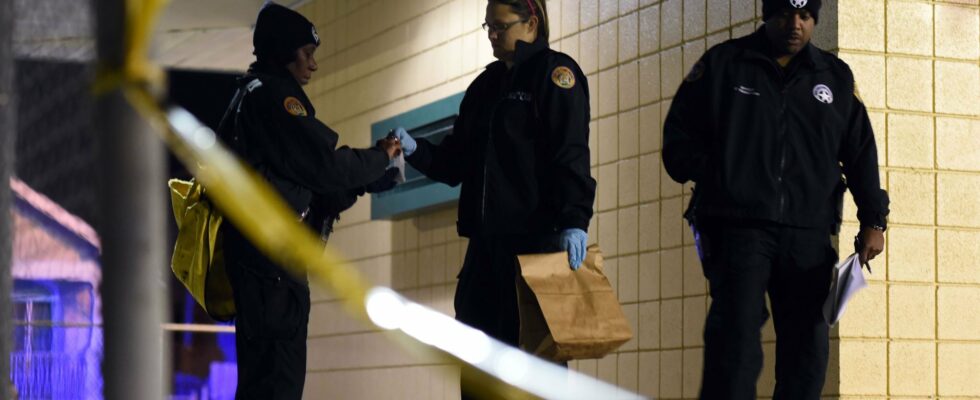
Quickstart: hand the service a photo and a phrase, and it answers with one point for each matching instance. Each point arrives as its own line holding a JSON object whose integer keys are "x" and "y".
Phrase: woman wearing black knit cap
{"x": 271, "y": 124}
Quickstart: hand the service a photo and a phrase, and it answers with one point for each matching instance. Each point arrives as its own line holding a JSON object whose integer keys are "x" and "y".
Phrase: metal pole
{"x": 132, "y": 196}
{"x": 8, "y": 133}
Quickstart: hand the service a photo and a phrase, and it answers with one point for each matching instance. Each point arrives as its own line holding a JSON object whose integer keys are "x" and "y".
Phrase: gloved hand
{"x": 573, "y": 240}
{"x": 391, "y": 146}
{"x": 384, "y": 183}
{"x": 408, "y": 143}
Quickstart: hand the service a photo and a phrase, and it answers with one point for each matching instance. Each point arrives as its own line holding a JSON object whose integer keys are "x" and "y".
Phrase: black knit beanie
{"x": 771, "y": 7}
{"x": 279, "y": 31}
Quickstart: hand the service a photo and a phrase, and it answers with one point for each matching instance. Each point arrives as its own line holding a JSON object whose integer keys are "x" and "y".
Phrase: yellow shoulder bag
{"x": 198, "y": 260}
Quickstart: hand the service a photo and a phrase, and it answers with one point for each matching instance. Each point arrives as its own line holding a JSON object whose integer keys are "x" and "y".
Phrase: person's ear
{"x": 532, "y": 24}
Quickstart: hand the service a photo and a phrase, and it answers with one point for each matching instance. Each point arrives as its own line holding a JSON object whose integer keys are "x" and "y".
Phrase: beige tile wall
{"x": 913, "y": 332}
{"x": 916, "y": 330}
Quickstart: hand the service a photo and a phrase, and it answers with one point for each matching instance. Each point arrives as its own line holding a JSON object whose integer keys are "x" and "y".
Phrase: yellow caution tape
{"x": 136, "y": 68}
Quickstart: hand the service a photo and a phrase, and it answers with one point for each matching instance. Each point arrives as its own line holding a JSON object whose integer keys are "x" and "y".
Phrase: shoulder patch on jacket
{"x": 294, "y": 106}
{"x": 563, "y": 77}
{"x": 697, "y": 71}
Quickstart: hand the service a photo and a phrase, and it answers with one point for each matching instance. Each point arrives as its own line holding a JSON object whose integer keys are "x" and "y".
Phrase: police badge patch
{"x": 697, "y": 71}
{"x": 563, "y": 77}
{"x": 823, "y": 94}
{"x": 294, "y": 106}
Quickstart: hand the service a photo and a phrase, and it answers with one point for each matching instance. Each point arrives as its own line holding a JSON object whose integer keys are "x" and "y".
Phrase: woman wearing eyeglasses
{"x": 520, "y": 149}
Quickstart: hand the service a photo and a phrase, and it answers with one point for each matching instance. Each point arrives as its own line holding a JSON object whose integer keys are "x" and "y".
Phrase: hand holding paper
{"x": 869, "y": 243}
{"x": 390, "y": 146}
{"x": 407, "y": 141}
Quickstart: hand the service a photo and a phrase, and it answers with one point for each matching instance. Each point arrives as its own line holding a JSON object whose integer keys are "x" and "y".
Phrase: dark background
{"x": 57, "y": 153}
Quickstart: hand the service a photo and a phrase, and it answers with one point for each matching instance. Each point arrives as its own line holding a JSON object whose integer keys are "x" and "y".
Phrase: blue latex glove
{"x": 408, "y": 143}
{"x": 574, "y": 241}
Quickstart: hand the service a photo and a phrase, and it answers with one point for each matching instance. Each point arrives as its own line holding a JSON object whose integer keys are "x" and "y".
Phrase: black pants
{"x": 486, "y": 293}
{"x": 744, "y": 261}
{"x": 271, "y": 324}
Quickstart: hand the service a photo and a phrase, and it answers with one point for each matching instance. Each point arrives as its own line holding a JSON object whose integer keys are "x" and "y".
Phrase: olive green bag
{"x": 198, "y": 260}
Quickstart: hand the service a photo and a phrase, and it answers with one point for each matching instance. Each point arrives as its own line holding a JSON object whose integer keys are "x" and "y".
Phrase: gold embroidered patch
{"x": 563, "y": 77}
{"x": 697, "y": 71}
{"x": 294, "y": 106}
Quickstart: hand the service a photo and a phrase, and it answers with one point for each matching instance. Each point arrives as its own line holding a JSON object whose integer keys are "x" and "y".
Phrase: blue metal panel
{"x": 418, "y": 193}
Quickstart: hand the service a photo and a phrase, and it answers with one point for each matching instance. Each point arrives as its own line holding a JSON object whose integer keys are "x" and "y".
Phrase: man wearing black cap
{"x": 766, "y": 125}
{"x": 271, "y": 124}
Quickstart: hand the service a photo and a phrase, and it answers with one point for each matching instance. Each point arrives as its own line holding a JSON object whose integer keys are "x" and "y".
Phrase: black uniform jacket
{"x": 520, "y": 148}
{"x": 767, "y": 143}
{"x": 272, "y": 124}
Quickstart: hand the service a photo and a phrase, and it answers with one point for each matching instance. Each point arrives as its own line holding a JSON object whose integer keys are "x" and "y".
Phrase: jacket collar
{"x": 758, "y": 47}
{"x": 523, "y": 51}
{"x": 277, "y": 71}
{"x": 266, "y": 68}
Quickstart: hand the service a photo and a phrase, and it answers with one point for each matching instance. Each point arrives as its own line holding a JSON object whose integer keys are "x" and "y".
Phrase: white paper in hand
{"x": 399, "y": 162}
{"x": 848, "y": 279}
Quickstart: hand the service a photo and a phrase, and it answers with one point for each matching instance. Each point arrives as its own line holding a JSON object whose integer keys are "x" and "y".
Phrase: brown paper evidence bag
{"x": 565, "y": 314}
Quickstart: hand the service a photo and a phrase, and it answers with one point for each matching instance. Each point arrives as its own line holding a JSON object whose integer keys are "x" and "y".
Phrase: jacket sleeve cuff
{"x": 419, "y": 154}
{"x": 880, "y": 223}
{"x": 875, "y": 215}
{"x": 873, "y": 219}
{"x": 569, "y": 222}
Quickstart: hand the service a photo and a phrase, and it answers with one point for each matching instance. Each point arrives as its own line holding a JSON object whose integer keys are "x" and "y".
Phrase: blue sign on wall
{"x": 433, "y": 122}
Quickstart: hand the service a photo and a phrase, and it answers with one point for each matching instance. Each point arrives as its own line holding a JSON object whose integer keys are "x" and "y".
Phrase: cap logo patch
{"x": 316, "y": 38}
{"x": 563, "y": 77}
{"x": 697, "y": 71}
{"x": 798, "y": 3}
{"x": 823, "y": 94}
{"x": 294, "y": 106}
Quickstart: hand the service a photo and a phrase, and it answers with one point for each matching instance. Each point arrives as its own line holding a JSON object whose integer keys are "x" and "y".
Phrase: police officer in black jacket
{"x": 765, "y": 125}
{"x": 520, "y": 150}
{"x": 272, "y": 125}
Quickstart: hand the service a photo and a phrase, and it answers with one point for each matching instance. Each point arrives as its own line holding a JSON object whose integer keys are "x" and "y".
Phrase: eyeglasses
{"x": 500, "y": 27}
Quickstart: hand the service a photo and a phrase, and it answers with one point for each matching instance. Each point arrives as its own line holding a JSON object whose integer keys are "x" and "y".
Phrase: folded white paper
{"x": 399, "y": 162}
{"x": 848, "y": 279}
